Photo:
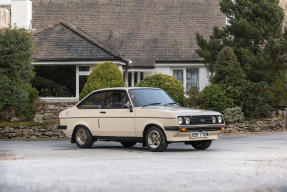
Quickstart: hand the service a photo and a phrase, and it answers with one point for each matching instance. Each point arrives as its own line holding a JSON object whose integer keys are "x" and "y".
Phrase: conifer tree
{"x": 258, "y": 39}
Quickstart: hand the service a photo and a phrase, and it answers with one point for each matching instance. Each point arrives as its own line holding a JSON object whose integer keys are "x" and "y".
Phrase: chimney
{"x": 21, "y": 14}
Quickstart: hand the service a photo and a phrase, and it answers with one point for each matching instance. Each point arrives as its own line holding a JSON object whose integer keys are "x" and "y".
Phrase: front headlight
{"x": 213, "y": 119}
{"x": 180, "y": 120}
{"x": 187, "y": 120}
{"x": 220, "y": 119}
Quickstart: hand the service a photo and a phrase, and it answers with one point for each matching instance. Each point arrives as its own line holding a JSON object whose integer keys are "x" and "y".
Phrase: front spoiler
{"x": 195, "y": 127}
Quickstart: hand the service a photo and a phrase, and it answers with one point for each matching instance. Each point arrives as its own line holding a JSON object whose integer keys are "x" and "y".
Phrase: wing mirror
{"x": 129, "y": 106}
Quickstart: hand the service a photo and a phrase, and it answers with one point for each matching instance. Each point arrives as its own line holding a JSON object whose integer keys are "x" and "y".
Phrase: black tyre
{"x": 155, "y": 139}
{"x": 83, "y": 137}
{"x": 201, "y": 145}
{"x": 128, "y": 143}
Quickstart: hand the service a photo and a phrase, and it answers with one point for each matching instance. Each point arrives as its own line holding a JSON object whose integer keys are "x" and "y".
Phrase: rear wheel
{"x": 201, "y": 145}
{"x": 83, "y": 137}
{"x": 155, "y": 139}
{"x": 128, "y": 143}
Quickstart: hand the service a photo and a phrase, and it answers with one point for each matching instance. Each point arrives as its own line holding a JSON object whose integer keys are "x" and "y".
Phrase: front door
{"x": 115, "y": 118}
{"x": 89, "y": 111}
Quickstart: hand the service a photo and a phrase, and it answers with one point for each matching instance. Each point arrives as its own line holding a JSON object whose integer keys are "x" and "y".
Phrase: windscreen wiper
{"x": 172, "y": 103}
{"x": 151, "y": 104}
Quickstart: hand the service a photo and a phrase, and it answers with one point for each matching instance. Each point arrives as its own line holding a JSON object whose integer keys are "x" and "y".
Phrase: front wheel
{"x": 83, "y": 137}
{"x": 155, "y": 139}
{"x": 201, "y": 145}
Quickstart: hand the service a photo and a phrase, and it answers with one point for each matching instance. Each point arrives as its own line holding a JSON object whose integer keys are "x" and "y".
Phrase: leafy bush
{"x": 104, "y": 75}
{"x": 16, "y": 72}
{"x": 214, "y": 97}
{"x": 253, "y": 98}
{"x": 192, "y": 101}
{"x": 232, "y": 115}
{"x": 172, "y": 86}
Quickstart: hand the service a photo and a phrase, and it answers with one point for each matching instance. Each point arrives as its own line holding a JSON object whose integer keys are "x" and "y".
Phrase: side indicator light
{"x": 183, "y": 129}
{"x": 222, "y": 128}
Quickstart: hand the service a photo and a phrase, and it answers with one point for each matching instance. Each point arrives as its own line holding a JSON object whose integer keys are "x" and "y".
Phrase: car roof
{"x": 125, "y": 88}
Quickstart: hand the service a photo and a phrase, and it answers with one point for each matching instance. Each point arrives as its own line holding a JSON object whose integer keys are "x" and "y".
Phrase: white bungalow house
{"x": 142, "y": 37}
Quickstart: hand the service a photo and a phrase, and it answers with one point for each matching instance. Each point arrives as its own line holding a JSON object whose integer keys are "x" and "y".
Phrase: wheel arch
{"x": 147, "y": 127}
{"x": 74, "y": 131}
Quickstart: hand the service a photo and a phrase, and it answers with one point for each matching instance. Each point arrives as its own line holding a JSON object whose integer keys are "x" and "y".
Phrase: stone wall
{"x": 34, "y": 131}
{"x": 277, "y": 122}
{"x": 44, "y": 124}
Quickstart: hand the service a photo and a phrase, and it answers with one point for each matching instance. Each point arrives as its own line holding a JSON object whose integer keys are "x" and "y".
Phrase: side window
{"x": 94, "y": 101}
{"x": 116, "y": 100}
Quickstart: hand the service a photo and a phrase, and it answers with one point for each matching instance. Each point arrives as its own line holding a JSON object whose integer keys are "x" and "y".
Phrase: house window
{"x": 129, "y": 79}
{"x": 4, "y": 17}
{"x": 134, "y": 78}
{"x": 192, "y": 78}
{"x": 141, "y": 76}
{"x": 189, "y": 77}
{"x": 55, "y": 81}
{"x": 82, "y": 81}
{"x": 178, "y": 74}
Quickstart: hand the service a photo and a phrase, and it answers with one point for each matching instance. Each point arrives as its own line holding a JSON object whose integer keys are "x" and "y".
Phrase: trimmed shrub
{"x": 168, "y": 83}
{"x": 214, "y": 97}
{"x": 16, "y": 72}
{"x": 104, "y": 75}
{"x": 232, "y": 115}
{"x": 192, "y": 101}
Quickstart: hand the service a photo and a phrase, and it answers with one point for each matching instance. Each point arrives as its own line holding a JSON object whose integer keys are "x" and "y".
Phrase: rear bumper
{"x": 62, "y": 127}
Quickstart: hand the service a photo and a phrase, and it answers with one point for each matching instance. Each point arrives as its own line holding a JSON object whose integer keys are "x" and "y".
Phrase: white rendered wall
{"x": 21, "y": 13}
{"x": 163, "y": 70}
{"x": 203, "y": 78}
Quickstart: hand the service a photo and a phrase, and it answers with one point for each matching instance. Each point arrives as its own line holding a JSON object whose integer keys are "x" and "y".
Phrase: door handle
{"x": 103, "y": 112}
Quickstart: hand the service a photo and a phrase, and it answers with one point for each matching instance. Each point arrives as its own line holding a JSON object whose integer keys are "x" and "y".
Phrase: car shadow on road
{"x": 130, "y": 149}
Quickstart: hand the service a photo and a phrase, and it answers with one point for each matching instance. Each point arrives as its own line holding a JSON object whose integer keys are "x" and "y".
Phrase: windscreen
{"x": 145, "y": 97}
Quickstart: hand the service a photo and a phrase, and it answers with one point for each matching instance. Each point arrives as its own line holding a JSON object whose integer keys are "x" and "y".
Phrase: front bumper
{"x": 196, "y": 127}
{"x": 174, "y": 133}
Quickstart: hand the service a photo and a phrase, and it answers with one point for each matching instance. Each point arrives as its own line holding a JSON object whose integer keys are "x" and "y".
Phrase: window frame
{"x": 185, "y": 76}
{"x": 115, "y": 90}
{"x": 95, "y": 92}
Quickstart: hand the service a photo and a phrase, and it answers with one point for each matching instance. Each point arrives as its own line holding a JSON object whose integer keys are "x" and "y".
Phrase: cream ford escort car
{"x": 146, "y": 115}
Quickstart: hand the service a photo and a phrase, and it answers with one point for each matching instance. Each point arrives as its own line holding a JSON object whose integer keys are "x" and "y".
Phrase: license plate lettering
{"x": 199, "y": 134}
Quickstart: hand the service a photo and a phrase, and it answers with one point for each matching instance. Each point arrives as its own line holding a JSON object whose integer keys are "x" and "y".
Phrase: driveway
{"x": 233, "y": 163}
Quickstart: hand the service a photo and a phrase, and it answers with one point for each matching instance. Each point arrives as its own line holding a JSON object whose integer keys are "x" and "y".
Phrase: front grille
{"x": 196, "y": 120}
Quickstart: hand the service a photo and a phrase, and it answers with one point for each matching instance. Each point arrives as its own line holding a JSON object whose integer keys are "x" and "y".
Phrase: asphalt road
{"x": 233, "y": 163}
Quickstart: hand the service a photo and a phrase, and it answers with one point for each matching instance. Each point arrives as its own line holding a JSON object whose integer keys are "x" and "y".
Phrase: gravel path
{"x": 233, "y": 163}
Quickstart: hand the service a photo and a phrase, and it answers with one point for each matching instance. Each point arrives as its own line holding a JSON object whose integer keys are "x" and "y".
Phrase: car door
{"x": 88, "y": 111}
{"x": 116, "y": 119}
